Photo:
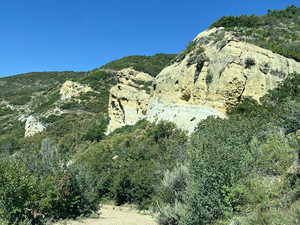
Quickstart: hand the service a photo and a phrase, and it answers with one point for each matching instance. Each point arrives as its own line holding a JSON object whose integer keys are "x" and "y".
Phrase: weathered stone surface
{"x": 185, "y": 116}
{"x": 128, "y": 99}
{"x": 72, "y": 89}
{"x": 217, "y": 73}
{"x": 225, "y": 76}
{"x": 33, "y": 126}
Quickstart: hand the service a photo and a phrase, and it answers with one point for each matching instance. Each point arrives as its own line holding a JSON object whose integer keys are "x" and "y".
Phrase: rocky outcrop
{"x": 72, "y": 89}
{"x": 128, "y": 101}
{"x": 220, "y": 70}
{"x": 215, "y": 73}
{"x": 33, "y": 126}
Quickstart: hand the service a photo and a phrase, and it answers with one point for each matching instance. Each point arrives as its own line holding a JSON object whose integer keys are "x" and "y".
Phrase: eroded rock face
{"x": 220, "y": 71}
{"x": 129, "y": 99}
{"x": 33, "y": 126}
{"x": 216, "y": 74}
{"x": 185, "y": 116}
{"x": 72, "y": 89}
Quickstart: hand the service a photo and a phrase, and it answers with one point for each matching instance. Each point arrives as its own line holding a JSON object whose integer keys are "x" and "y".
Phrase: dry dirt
{"x": 114, "y": 215}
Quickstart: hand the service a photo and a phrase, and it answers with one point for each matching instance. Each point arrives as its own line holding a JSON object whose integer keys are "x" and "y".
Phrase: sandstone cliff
{"x": 220, "y": 70}
{"x": 215, "y": 72}
{"x": 129, "y": 99}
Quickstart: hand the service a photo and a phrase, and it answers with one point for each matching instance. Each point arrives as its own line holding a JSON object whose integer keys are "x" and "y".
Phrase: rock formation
{"x": 220, "y": 70}
{"x": 216, "y": 72}
{"x": 129, "y": 99}
{"x": 33, "y": 126}
{"x": 72, "y": 89}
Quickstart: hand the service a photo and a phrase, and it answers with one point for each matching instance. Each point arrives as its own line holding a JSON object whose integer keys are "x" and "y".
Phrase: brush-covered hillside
{"x": 208, "y": 136}
{"x": 62, "y": 104}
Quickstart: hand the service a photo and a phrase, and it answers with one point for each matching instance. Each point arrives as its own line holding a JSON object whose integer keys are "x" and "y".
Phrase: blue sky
{"x": 48, "y": 35}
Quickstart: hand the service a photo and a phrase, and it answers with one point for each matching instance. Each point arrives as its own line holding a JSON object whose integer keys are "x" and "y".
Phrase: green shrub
{"x": 20, "y": 100}
{"x": 96, "y": 131}
{"x": 275, "y": 215}
{"x": 8, "y": 146}
{"x": 218, "y": 159}
{"x": 42, "y": 186}
{"x": 5, "y": 111}
{"x": 277, "y": 30}
{"x": 174, "y": 185}
{"x": 237, "y": 21}
{"x": 18, "y": 192}
{"x": 209, "y": 78}
{"x": 279, "y": 106}
{"x": 70, "y": 106}
{"x": 171, "y": 214}
{"x": 242, "y": 162}
{"x": 51, "y": 119}
{"x": 249, "y": 62}
{"x": 171, "y": 205}
{"x": 142, "y": 124}
{"x": 274, "y": 153}
{"x": 148, "y": 64}
{"x": 289, "y": 88}
{"x": 131, "y": 161}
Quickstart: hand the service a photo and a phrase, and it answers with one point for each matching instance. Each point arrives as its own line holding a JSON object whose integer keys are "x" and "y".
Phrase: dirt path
{"x": 113, "y": 215}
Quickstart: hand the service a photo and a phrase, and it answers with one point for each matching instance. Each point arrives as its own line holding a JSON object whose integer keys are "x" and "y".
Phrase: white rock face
{"x": 216, "y": 74}
{"x": 128, "y": 99}
{"x": 33, "y": 126}
{"x": 184, "y": 116}
{"x": 72, "y": 89}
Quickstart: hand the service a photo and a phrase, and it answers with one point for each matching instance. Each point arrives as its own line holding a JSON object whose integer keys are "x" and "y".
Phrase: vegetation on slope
{"x": 230, "y": 171}
{"x": 130, "y": 162}
{"x": 43, "y": 92}
{"x": 148, "y": 64}
{"x": 46, "y": 184}
{"x": 19, "y": 89}
{"x": 278, "y": 30}
{"x": 239, "y": 168}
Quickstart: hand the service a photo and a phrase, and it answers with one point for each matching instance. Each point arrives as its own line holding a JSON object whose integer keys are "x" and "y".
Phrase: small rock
{"x": 72, "y": 89}
{"x": 33, "y": 126}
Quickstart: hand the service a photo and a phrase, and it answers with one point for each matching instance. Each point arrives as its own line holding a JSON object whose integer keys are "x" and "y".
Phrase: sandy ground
{"x": 114, "y": 215}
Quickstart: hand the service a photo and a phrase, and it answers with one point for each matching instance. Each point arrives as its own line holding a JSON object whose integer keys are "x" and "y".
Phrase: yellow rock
{"x": 72, "y": 89}
{"x": 217, "y": 73}
{"x": 128, "y": 99}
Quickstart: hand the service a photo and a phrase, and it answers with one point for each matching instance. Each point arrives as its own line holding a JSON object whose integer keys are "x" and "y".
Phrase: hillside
{"x": 208, "y": 136}
{"x": 38, "y": 95}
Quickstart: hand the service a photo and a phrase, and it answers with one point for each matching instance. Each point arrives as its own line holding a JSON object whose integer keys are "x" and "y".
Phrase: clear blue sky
{"x": 47, "y": 35}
